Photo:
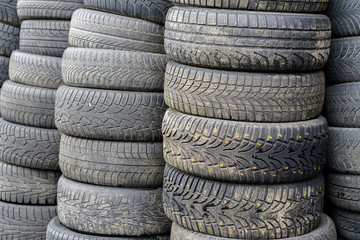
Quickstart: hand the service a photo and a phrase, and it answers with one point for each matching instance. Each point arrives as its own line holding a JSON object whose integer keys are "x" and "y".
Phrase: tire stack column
{"x": 342, "y": 107}
{"x": 110, "y": 112}
{"x": 243, "y": 139}
{"x": 29, "y": 142}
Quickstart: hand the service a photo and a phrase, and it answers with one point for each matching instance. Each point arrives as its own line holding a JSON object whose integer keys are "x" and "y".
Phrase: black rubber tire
{"x": 4, "y": 69}
{"x": 342, "y": 108}
{"x": 345, "y": 18}
{"x": 297, "y": 6}
{"x": 47, "y": 9}
{"x": 27, "y": 185}
{"x": 28, "y": 105}
{"x": 343, "y": 191}
{"x": 56, "y": 231}
{"x": 123, "y": 211}
{"x": 94, "y": 29}
{"x": 242, "y": 211}
{"x": 347, "y": 223}
{"x": 344, "y": 150}
{"x": 109, "y": 115}
{"x": 108, "y": 163}
{"x": 29, "y": 146}
{"x": 245, "y": 40}
{"x": 35, "y": 70}
{"x": 111, "y": 69}
{"x": 9, "y": 39}
{"x": 8, "y": 13}
{"x": 44, "y": 37}
{"x": 25, "y": 222}
{"x": 149, "y": 10}
{"x": 244, "y": 152}
{"x": 325, "y": 231}
{"x": 344, "y": 62}
{"x": 244, "y": 96}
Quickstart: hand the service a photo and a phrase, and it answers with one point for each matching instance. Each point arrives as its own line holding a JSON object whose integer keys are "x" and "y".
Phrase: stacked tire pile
{"x": 29, "y": 142}
{"x": 243, "y": 139}
{"x": 109, "y": 113}
{"x": 342, "y": 107}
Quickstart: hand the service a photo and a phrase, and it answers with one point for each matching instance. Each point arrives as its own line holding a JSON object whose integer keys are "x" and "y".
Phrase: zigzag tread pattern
{"x": 9, "y": 39}
{"x": 109, "y": 115}
{"x": 242, "y": 211}
{"x": 244, "y": 152}
{"x": 8, "y": 12}
{"x": 123, "y": 211}
{"x": 347, "y": 223}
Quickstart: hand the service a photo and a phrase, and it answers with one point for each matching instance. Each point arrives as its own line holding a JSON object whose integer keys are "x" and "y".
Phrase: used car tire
{"x": 8, "y": 13}
{"x": 347, "y": 223}
{"x": 9, "y": 39}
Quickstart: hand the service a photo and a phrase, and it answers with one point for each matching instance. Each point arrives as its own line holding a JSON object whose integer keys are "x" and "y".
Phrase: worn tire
{"x": 342, "y": 108}
{"x": 244, "y": 40}
{"x": 244, "y": 152}
{"x": 44, "y": 37}
{"x": 344, "y": 150}
{"x": 8, "y": 13}
{"x": 24, "y": 222}
{"x": 109, "y": 115}
{"x": 149, "y": 10}
{"x": 29, "y": 146}
{"x": 111, "y": 69}
{"x": 325, "y": 231}
{"x": 244, "y": 96}
{"x": 27, "y": 185}
{"x": 345, "y": 18}
{"x": 343, "y": 191}
{"x": 47, "y": 9}
{"x": 347, "y": 223}
{"x": 56, "y": 231}
{"x": 108, "y": 163}
{"x": 297, "y": 6}
{"x": 4, "y": 69}
{"x": 35, "y": 70}
{"x": 94, "y": 29}
{"x": 28, "y": 105}
{"x": 9, "y": 39}
{"x": 233, "y": 210}
{"x": 123, "y": 211}
{"x": 344, "y": 62}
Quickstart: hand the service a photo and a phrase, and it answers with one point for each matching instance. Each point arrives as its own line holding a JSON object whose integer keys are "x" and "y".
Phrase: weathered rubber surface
{"x": 343, "y": 191}
{"x": 344, "y": 62}
{"x": 35, "y": 70}
{"x": 8, "y": 13}
{"x": 27, "y": 185}
{"x": 347, "y": 223}
{"x": 56, "y": 231}
{"x": 47, "y": 9}
{"x": 245, "y": 40}
{"x": 4, "y": 69}
{"x": 297, "y": 6}
{"x": 344, "y": 150}
{"x": 109, "y": 115}
{"x": 26, "y": 222}
{"x": 123, "y": 211}
{"x": 28, "y": 105}
{"x": 109, "y": 163}
{"x": 342, "y": 105}
{"x": 242, "y": 211}
{"x": 244, "y": 96}
{"x": 44, "y": 37}
{"x": 244, "y": 152}
{"x": 112, "y": 69}
{"x": 149, "y": 10}
{"x": 345, "y": 18}
{"x": 325, "y": 231}
{"x": 95, "y": 29}
{"x": 9, "y": 38}
{"x": 29, "y": 146}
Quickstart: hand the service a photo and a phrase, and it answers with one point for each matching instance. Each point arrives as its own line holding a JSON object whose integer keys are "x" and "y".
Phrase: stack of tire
{"x": 29, "y": 142}
{"x": 243, "y": 139}
{"x": 110, "y": 112}
{"x": 342, "y": 107}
